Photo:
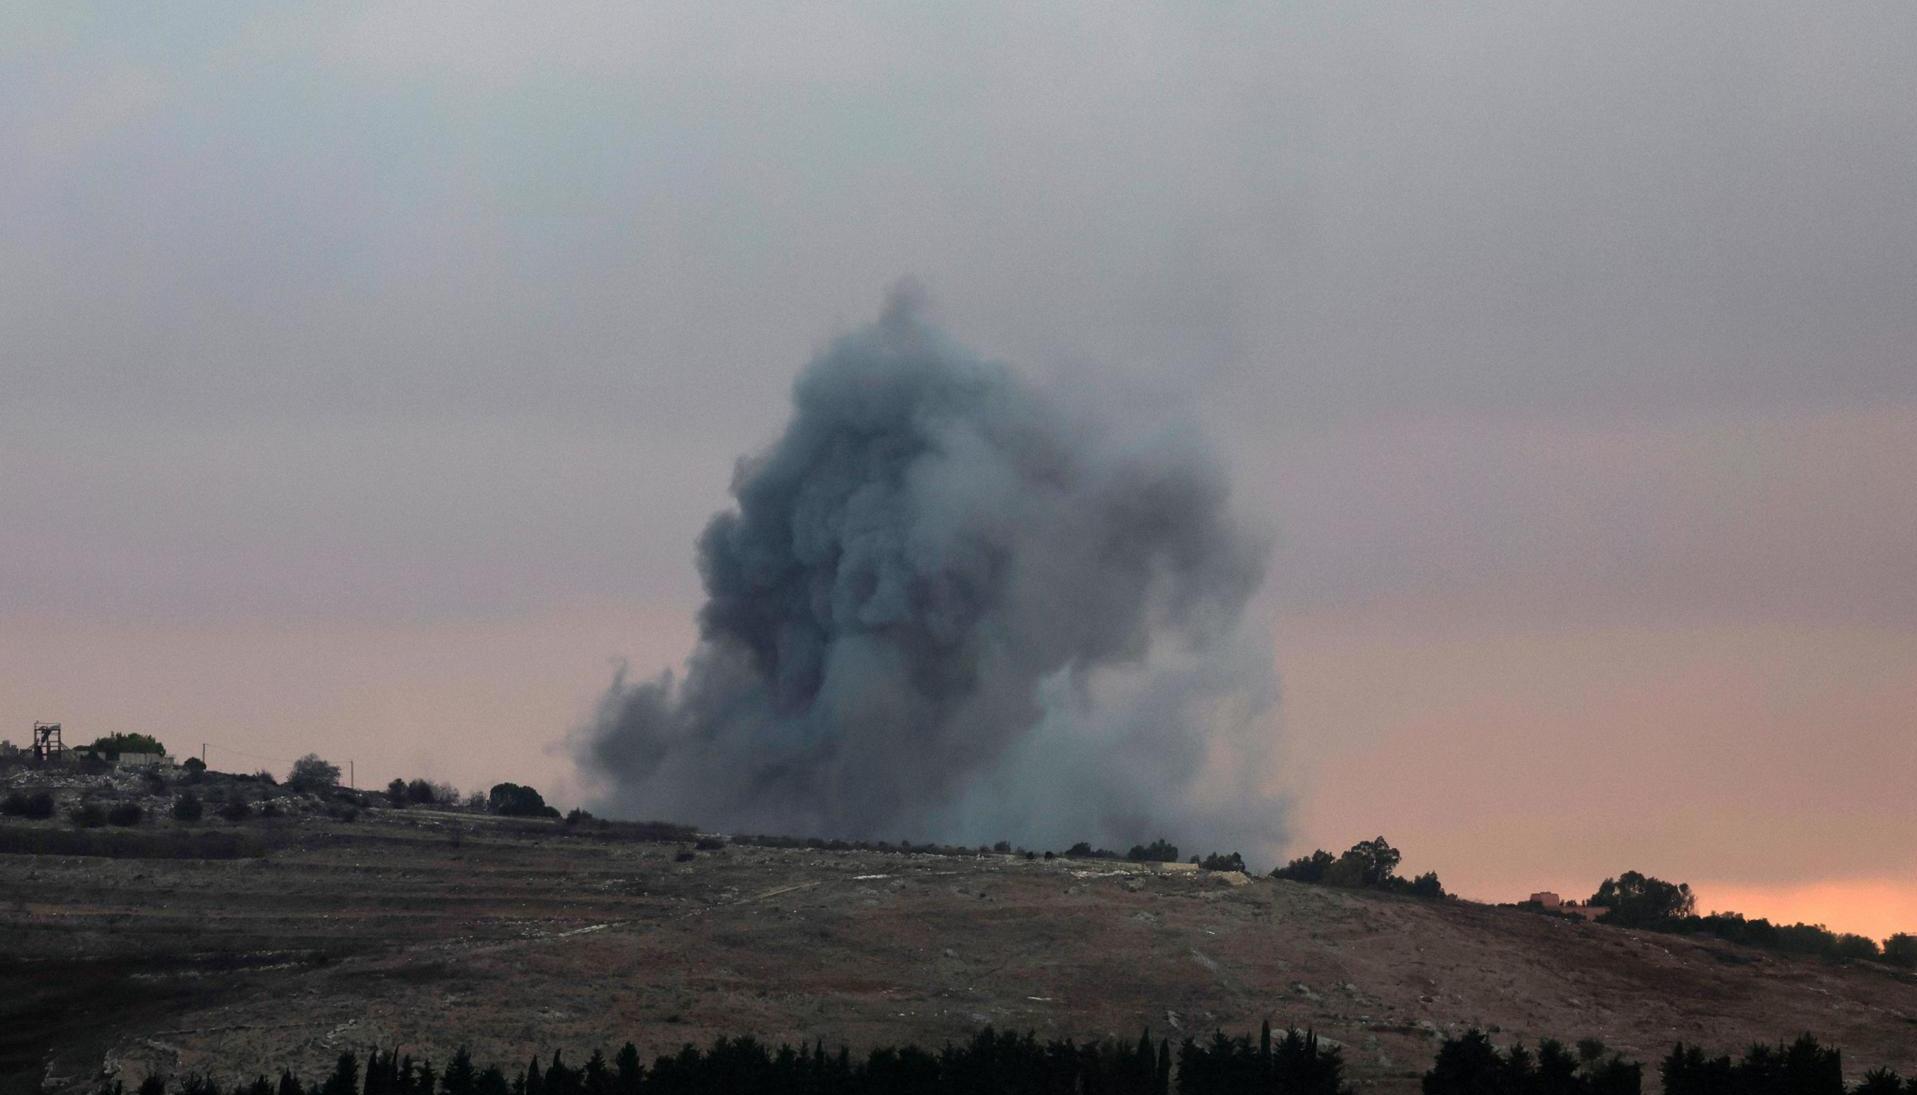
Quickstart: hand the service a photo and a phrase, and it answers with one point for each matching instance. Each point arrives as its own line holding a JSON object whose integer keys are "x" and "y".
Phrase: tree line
{"x": 1637, "y": 900}
{"x": 1368, "y": 864}
{"x": 993, "y": 1062}
{"x": 1290, "y": 1062}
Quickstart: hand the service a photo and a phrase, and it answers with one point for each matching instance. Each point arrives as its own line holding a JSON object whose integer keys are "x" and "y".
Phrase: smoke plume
{"x": 949, "y": 606}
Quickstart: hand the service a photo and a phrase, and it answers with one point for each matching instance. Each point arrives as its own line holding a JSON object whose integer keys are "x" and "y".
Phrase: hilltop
{"x": 427, "y": 928}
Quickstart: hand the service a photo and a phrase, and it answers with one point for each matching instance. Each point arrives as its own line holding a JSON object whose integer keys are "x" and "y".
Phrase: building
{"x": 1550, "y": 902}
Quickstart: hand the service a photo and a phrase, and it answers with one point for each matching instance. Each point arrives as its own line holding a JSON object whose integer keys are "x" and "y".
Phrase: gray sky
{"x": 369, "y": 371}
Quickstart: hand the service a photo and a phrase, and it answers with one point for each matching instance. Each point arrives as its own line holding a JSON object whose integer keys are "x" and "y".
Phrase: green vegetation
{"x": 1469, "y": 1065}
{"x": 1636, "y": 900}
{"x": 512, "y": 800}
{"x": 1158, "y": 851}
{"x": 1368, "y": 864}
{"x": 313, "y": 775}
{"x": 114, "y": 745}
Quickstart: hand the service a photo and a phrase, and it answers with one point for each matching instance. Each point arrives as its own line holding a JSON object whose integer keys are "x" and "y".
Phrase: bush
{"x": 14, "y": 805}
{"x": 685, "y": 855}
{"x": 188, "y": 807}
{"x": 40, "y": 806}
{"x": 1221, "y": 862}
{"x": 235, "y": 810}
{"x": 576, "y": 815}
{"x": 195, "y": 769}
{"x": 709, "y": 843}
{"x": 269, "y": 809}
{"x": 88, "y": 815}
{"x": 125, "y": 813}
{"x": 1901, "y": 950}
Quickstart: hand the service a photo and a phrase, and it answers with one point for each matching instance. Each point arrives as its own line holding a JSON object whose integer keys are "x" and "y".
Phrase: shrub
{"x": 125, "y": 813}
{"x": 1901, "y": 950}
{"x": 88, "y": 815}
{"x": 40, "y": 806}
{"x": 195, "y": 769}
{"x": 709, "y": 843}
{"x": 269, "y": 809}
{"x": 235, "y": 810}
{"x": 1222, "y": 862}
{"x": 685, "y": 855}
{"x": 188, "y": 807}
{"x": 14, "y": 805}
{"x": 576, "y": 815}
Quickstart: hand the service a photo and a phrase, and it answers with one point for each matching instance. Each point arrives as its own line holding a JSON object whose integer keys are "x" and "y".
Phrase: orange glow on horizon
{"x": 1874, "y": 907}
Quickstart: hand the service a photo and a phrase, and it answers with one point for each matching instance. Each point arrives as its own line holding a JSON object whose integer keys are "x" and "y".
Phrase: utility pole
{"x": 352, "y": 779}
{"x": 202, "y": 754}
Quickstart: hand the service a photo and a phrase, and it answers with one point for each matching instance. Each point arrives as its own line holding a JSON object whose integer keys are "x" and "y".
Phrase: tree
{"x": 512, "y": 800}
{"x": 188, "y": 807}
{"x": 396, "y": 792}
{"x": 1427, "y": 885}
{"x": 195, "y": 769}
{"x": 423, "y": 792}
{"x": 1220, "y": 861}
{"x": 1901, "y": 950}
{"x": 345, "y": 1077}
{"x": 1158, "y": 851}
{"x": 1637, "y": 900}
{"x": 1368, "y": 863}
{"x": 312, "y": 774}
{"x": 114, "y": 745}
{"x": 1306, "y": 868}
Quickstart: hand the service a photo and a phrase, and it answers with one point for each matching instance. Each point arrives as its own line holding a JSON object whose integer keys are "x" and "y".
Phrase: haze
{"x": 368, "y": 372}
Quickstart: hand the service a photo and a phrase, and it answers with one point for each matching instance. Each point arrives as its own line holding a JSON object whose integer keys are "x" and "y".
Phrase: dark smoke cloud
{"x": 946, "y": 606}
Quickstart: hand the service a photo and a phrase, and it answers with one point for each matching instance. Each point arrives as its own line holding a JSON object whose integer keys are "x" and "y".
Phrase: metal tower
{"x": 46, "y": 741}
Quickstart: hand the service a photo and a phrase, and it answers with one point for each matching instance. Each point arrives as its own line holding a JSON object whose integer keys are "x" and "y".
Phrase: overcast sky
{"x": 367, "y": 374}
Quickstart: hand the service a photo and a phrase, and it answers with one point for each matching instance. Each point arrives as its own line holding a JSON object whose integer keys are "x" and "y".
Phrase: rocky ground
{"x": 428, "y": 929}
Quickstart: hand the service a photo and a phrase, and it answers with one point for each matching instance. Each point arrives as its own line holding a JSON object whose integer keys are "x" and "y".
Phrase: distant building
{"x": 1582, "y": 910}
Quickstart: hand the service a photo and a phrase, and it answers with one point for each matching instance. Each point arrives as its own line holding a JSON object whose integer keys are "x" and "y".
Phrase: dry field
{"x": 429, "y": 929}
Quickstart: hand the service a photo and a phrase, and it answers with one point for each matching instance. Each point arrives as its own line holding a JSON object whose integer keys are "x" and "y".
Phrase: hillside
{"x": 427, "y": 929}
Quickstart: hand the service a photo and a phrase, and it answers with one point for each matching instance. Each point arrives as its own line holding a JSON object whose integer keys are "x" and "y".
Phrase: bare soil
{"x": 430, "y": 929}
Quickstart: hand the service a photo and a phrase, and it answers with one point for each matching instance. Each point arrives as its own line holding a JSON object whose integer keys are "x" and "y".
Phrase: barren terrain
{"x": 428, "y": 929}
